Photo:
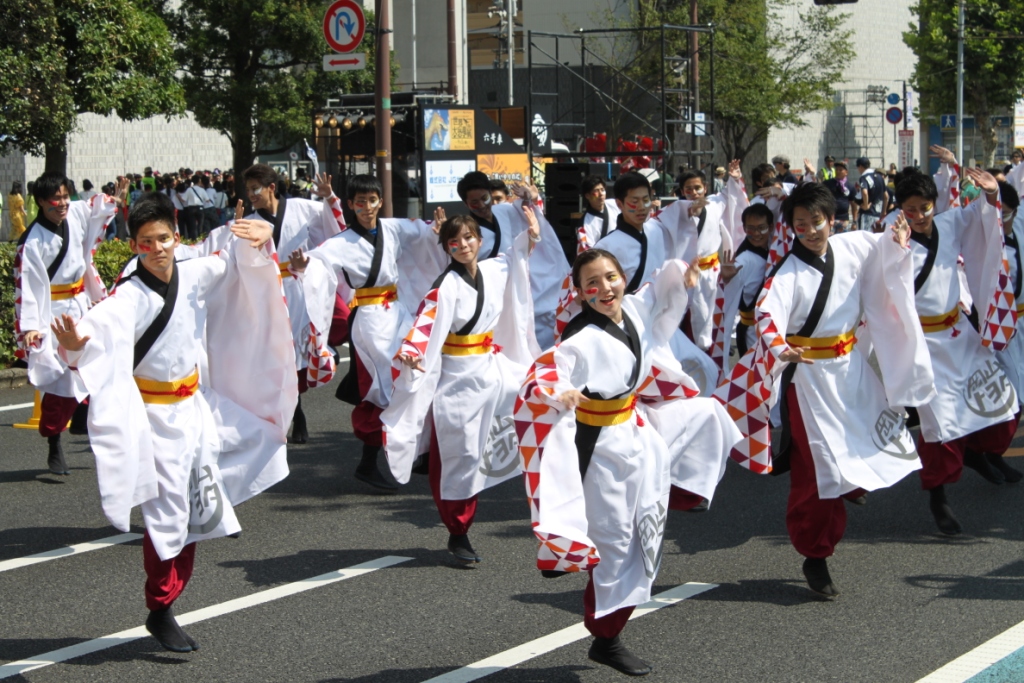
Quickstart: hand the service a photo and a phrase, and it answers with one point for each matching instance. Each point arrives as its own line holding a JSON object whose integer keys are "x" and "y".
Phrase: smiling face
{"x": 919, "y": 212}
{"x": 366, "y": 206}
{"x": 693, "y": 189}
{"x": 155, "y": 243}
{"x": 636, "y": 207}
{"x": 479, "y": 203}
{"x": 464, "y": 247}
{"x": 758, "y": 231}
{"x": 55, "y": 208}
{"x": 812, "y": 229}
{"x": 602, "y": 286}
{"x": 259, "y": 196}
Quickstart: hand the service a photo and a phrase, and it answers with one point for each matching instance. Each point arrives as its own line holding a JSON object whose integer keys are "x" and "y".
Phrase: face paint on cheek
{"x": 819, "y": 227}
{"x": 167, "y": 243}
{"x": 144, "y": 248}
{"x": 592, "y": 293}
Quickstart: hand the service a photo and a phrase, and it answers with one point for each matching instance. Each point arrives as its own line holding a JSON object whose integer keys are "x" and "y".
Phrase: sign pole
{"x": 960, "y": 84}
{"x": 382, "y": 106}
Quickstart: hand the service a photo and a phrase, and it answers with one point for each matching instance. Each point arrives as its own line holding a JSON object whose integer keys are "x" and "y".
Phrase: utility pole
{"x": 960, "y": 84}
{"x": 695, "y": 81}
{"x": 382, "y": 106}
{"x": 453, "y": 71}
{"x": 511, "y": 48}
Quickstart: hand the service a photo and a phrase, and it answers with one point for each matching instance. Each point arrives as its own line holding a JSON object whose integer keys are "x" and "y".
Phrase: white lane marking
{"x": 553, "y": 641}
{"x": 122, "y": 637}
{"x": 76, "y": 549}
{"x": 17, "y": 406}
{"x": 967, "y": 666}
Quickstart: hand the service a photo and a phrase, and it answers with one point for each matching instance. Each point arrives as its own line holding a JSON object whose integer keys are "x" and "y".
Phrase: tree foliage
{"x": 70, "y": 57}
{"x": 993, "y": 54}
{"x": 252, "y": 69}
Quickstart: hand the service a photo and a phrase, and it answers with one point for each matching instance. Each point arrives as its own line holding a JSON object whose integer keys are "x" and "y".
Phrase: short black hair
{"x": 498, "y": 185}
{"x": 755, "y": 210}
{"x": 759, "y": 173}
{"x": 474, "y": 180}
{"x": 591, "y": 182}
{"x": 591, "y": 255}
{"x": 363, "y": 184}
{"x": 916, "y": 185}
{"x": 262, "y": 174}
{"x": 49, "y": 184}
{"x": 810, "y": 196}
{"x": 150, "y": 207}
{"x": 690, "y": 175}
{"x": 628, "y": 182}
{"x": 16, "y": 187}
{"x": 841, "y": 164}
{"x": 451, "y": 228}
{"x": 1008, "y": 196}
{"x": 86, "y": 184}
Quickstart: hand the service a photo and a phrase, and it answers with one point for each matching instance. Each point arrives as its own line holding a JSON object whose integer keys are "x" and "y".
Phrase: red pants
{"x": 366, "y": 416}
{"x": 56, "y": 412}
{"x": 457, "y": 515}
{"x": 608, "y": 626}
{"x": 943, "y": 463}
{"x": 165, "y": 579}
{"x": 339, "y": 322}
{"x": 681, "y": 499}
{"x": 815, "y": 525}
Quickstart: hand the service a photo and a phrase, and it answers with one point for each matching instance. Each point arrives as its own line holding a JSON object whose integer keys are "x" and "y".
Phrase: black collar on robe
{"x": 641, "y": 237}
{"x": 376, "y": 238}
{"x": 169, "y": 292}
{"x": 932, "y": 245}
{"x": 745, "y": 245}
{"x": 1011, "y": 241}
{"x": 493, "y": 226}
{"x": 629, "y": 337}
{"x": 275, "y": 220}
{"x": 703, "y": 219}
{"x": 603, "y": 215}
{"x": 62, "y": 231}
{"x": 477, "y": 283}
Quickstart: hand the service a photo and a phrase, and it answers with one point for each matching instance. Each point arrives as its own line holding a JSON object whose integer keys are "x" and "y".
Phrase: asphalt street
{"x": 911, "y": 599}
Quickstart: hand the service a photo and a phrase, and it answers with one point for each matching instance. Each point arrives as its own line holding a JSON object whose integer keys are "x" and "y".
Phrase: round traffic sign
{"x": 344, "y": 25}
{"x": 892, "y": 98}
{"x": 894, "y": 115}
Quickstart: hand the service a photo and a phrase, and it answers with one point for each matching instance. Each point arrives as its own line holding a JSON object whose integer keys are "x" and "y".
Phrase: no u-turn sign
{"x": 344, "y": 25}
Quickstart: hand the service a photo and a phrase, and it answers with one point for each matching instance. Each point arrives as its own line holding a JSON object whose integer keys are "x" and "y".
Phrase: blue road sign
{"x": 893, "y": 98}
{"x": 894, "y": 115}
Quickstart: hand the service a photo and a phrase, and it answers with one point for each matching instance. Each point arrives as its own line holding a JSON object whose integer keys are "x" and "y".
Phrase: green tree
{"x": 252, "y": 69}
{"x": 70, "y": 57}
{"x": 993, "y": 53}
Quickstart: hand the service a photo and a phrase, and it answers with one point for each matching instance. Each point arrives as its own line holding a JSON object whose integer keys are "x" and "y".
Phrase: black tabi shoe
{"x": 611, "y": 652}
{"x": 980, "y": 464}
{"x": 55, "y": 460}
{"x": 422, "y": 465}
{"x": 299, "y": 432}
{"x": 702, "y": 506}
{"x": 552, "y": 573}
{"x": 80, "y": 420}
{"x": 162, "y": 625}
{"x": 818, "y": 578}
{"x": 859, "y": 500}
{"x": 943, "y": 514}
{"x": 459, "y": 546}
{"x": 997, "y": 461}
{"x": 368, "y": 472}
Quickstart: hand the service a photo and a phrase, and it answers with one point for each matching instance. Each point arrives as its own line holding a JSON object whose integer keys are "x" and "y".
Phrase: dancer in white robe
{"x": 389, "y": 263}
{"x": 458, "y": 372}
{"x": 844, "y": 431}
{"x": 600, "y": 213}
{"x": 1011, "y": 359}
{"x": 187, "y": 448}
{"x": 599, "y": 421}
{"x": 297, "y": 224}
{"x": 54, "y": 275}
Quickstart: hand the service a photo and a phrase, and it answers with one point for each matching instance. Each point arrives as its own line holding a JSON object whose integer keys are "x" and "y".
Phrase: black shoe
{"x": 702, "y": 506}
{"x": 943, "y": 513}
{"x": 459, "y": 546}
{"x": 611, "y": 652}
{"x": 997, "y": 461}
{"x": 162, "y": 625}
{"x": 859, "y": 500}
{"x": 818, "y": 578}
{"x": 980, "y": 464}
{"x": 369, "y": 473}
{"x": 299, "y": 432}
{"x": 80, "y": 420}
{"x": 552, "y": 573}
{"x": 55, "y": 459}
{"x": 422, "y": 464}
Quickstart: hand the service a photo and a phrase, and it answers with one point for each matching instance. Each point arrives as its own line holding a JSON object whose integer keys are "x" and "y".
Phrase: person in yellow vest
{"x": 828, "y": 171}
{"x": 16, "y": 205}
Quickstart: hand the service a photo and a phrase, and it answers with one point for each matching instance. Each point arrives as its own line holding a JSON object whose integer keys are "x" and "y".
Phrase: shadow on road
{"x": 553, "y": 674}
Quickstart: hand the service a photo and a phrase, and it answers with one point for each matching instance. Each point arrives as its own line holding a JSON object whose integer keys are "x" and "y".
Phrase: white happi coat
{"x": 740, "y": 291}
{"x": 855, "y": 426}
{"x": 661, "y": 237}
{"x": 589, "y": 234}
{"x": 613, "y": 519}
{"x": 189, "y": 463}
{"x": 1011, "y": 359}
{"x": 973, "y": 391}
{"x": 411, "y": 260}
{"x": 467, "y": 400}
{"x": 34, "y": 310}
{"x": 306, "y": 224}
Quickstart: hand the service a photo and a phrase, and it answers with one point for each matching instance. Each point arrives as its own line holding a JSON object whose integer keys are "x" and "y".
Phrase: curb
{"x": 13, "y": 378}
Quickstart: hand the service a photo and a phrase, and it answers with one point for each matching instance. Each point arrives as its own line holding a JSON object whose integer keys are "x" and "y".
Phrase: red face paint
{"x": 145, "y": 248}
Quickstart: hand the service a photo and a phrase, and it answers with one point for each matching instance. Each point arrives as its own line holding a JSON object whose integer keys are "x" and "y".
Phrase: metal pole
{"x": 382, "y": 106}
{"x": 904, "y": 105}
{"x": 511, "y": 48}
{"x": 415, "y": 72}
{"x": 453, "y": 73}
{"x": 527, "y": 136}
{"x": 695, "y": 79}
{"x": 960, "y": 84}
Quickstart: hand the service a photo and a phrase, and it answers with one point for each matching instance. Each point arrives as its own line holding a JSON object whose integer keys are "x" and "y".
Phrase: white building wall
{"x": 882, "y": 60}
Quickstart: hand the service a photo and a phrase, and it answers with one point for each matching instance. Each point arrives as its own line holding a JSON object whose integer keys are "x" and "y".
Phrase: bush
{"x": 110, "y": 258}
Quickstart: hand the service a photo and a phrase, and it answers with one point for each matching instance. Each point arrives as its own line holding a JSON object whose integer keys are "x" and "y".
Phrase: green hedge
{"x": 110, "y": 259}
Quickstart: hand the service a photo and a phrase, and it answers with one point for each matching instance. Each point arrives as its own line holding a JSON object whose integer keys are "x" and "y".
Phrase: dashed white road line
{"x": 969, "y": 665}
{"x": 122, "y": 637}
{"x": 553, "y": 641}
{"x": 67, "y": 551}
{"x": 16, "y": 406}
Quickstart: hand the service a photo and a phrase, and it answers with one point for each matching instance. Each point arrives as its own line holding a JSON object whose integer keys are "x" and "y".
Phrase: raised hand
{"x": 734, "y": 169}
{"x": 410, "y": 361}
{"x": 257, "y": 232}
{"x": 322, "y": 186}
{"x": 531, "y": 219}
{"x": 808, "y": 167}
{"x": 239, "y": 210}
{"x": 439, "y": 218}
{"x": 901, "y": 231}
{"x": 942, "y": 154}
{"x": 729, "y": 268}
{"x": 697, "y": 205}
{"x": 297, "y": 261}
{"x": 67, "y": 334}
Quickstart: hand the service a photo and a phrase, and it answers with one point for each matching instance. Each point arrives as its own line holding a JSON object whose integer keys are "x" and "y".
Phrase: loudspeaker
{"x": 564, "y": 204}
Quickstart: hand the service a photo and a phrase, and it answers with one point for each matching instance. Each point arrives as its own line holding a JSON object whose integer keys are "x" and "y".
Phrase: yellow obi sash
{"x": 1020, "y": 309}
{"x": 284, "y": 269}
{"x": 468, "y": 344}
{"x": 598, "y": 413}
{"x": 938, "y": 323}
{"x": 59, "y": 292}
{"x": 707, "y": 262}
{"x": 820, "y": 348}
{"x": 368, "y": 296}
{"x": 166, "y": 393}
{"x": 747, "y": 318}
